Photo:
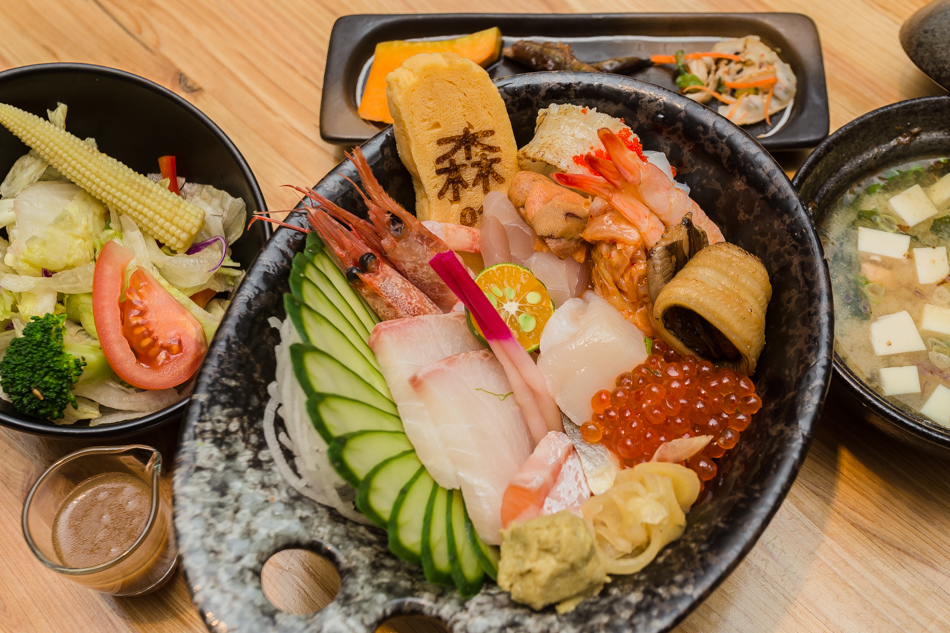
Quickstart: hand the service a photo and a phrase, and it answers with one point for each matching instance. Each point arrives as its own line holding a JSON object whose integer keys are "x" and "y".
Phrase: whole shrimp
{"x": 389, "y": 294}
{"x": 640, "y": 190}
{"x": 394, "y": 232}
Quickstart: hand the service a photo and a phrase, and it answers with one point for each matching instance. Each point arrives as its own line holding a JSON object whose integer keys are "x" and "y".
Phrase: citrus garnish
{"x": 521, "y": 300}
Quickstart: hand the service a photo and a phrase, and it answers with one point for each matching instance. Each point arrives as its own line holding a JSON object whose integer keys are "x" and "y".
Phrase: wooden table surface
{"x": 861, "y": 542}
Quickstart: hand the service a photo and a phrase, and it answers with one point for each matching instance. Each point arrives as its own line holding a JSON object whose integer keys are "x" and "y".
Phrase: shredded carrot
{"x": 739, "y": 85}
{"x": 735, "y": 105}
{"x": 768, "y": 100}
{"x": 671, "y": 59}
{"x": 717, "y": 95}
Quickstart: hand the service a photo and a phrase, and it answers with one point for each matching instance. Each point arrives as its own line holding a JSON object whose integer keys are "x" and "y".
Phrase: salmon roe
{"x": 670, "y": 397}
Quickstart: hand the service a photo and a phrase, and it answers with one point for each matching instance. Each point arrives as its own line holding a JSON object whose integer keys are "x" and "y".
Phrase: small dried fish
{"x": 560, "y": 56}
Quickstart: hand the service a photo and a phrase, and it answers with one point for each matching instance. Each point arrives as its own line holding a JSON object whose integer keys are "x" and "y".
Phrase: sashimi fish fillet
{"x": 482, "y": 429}
{"x": 549, "y": 481}
{"x": 403, "y": 347}
{"x": 599, "y": 464}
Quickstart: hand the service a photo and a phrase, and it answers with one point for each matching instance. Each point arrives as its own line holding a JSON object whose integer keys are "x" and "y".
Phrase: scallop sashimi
{"x": 585, "y": 345}
{"x": 484, "y": 434}
{"x": 403, "y": 347}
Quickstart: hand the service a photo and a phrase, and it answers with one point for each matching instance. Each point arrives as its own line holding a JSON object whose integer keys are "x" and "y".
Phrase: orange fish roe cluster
{"x": 670, "y": 397}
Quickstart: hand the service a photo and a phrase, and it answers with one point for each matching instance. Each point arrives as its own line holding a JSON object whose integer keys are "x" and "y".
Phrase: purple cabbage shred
{"x": 200, "y": 246}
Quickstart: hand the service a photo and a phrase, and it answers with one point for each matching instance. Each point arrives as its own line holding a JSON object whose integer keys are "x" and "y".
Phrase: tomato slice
{"x": 149, "y": 339}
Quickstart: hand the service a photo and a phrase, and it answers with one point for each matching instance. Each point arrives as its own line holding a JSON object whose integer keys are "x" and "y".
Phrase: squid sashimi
{"x": 549, "y": 481}
{"x": 586, "y": 344}
{"x": 484, "y": 434}
{"x": 403, "y": 347}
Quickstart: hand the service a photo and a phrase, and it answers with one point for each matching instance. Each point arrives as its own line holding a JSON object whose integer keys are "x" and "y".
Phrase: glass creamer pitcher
{"x": 99, "y": 517}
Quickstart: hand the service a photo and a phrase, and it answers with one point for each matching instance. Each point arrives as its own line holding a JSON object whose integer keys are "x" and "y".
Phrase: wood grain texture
{"x": 860, "y": 544}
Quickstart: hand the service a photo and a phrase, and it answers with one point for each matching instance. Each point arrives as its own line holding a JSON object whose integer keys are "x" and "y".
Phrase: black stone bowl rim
{"x": 750, "y": 520}
{"x": 157, "y": 418}
{"x": 875, "y": 407}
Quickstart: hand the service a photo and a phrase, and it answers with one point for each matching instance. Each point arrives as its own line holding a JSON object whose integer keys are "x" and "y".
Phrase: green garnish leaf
{"x": 872, "y": 189}
{"x": 688, "y": 79}
{"x": 680, "y": 62}
{"x": 941, "y": 227}
{"x": 648, "y": 343}
{"x": 501, "y": 396}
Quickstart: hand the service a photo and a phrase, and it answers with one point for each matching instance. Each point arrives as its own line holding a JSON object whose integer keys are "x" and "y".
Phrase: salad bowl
{"x": 233, "y": 509}
{"x": 135, "y": 121}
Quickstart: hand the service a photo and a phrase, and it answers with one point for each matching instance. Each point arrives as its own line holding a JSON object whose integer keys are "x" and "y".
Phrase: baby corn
{"x": 167, "y": 217}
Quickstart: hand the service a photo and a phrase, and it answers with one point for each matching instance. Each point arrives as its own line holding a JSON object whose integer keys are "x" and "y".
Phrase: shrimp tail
{"x": 625, "y": 161}
{"x": 594, "y": 185}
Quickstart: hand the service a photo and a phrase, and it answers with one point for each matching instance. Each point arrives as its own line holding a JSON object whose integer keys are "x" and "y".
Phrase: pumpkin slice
{"x": 482, "y": 47}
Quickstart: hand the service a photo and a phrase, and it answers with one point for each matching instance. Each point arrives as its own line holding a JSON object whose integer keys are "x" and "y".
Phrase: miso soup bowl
{"x": 892, "y": 135}
{"x": 135, "y": 121}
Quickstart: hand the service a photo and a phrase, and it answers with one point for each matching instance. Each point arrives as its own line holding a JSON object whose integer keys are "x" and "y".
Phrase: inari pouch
{"x": 453, "y": 135}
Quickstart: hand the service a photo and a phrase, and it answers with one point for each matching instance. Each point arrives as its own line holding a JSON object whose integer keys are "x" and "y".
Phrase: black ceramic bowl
{"x": 135, "y": 121}
{"x": 233, "y": 510}
{"x": 886, "y": 137}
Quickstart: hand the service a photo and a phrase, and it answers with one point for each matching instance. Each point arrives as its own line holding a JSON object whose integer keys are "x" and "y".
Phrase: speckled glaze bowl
{"x": 136, "y": 121}
{"x": 885, "y": 137}
{"x": 233, "y": 510}
{"x": 925, "y": 37}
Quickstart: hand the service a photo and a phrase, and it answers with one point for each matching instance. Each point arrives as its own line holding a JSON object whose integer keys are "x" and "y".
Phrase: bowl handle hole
{"x": 412, "y": 624}
{"x": 299, "y": 581}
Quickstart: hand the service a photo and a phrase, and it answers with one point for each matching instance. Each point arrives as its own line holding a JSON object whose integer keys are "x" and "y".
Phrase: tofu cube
{"x": 896, "y": 334}
{"x": 939, "y": 193}
{"x": 899, "y": 380}
{"x": 932, "y": 265}
{"x": 882, "y": 243}
{"x": 913, "y": 205}
{"x": 935, "y": 319}
{"x": 937, "y": 407}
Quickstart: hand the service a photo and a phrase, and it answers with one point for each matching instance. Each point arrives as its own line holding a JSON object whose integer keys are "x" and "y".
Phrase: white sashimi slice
{"x": 600, "y": 465}
{"x": 585, "y": 345}
{"x": 483, "y": 432}
{"x": 403, "y": 347}
{"x": 570, "y": 488}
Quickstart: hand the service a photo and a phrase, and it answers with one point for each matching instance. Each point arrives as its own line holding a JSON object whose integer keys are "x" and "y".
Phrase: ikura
{"x": 669, "y": 397}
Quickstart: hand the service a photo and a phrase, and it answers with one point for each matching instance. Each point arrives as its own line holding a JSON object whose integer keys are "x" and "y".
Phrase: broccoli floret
{"x": 37, "y": 372}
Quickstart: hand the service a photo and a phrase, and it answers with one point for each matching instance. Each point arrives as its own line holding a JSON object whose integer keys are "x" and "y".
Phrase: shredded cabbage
{"x": 56, "y": 227}
{"x": 224, "y": 215}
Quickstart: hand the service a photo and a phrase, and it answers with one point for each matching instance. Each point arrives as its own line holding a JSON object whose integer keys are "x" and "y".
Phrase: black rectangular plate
{"x": 593, "y": 37}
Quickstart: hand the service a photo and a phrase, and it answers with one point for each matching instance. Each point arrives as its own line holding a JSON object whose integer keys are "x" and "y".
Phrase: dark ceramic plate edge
{"x": 141, "y": 424}
{"x": 925, "y": 433}
{"x": 353, "y": 38}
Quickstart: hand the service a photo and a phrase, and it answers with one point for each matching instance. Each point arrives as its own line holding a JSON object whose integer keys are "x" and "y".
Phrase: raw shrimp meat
{"x": 403, "y": 347}
{"x": 484, "y": 434}
{"x": 639, "y": 190}
{"x": 619, "y": 265}
{"x": 394, "y": 233}
{"x": 387, "y": 292}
